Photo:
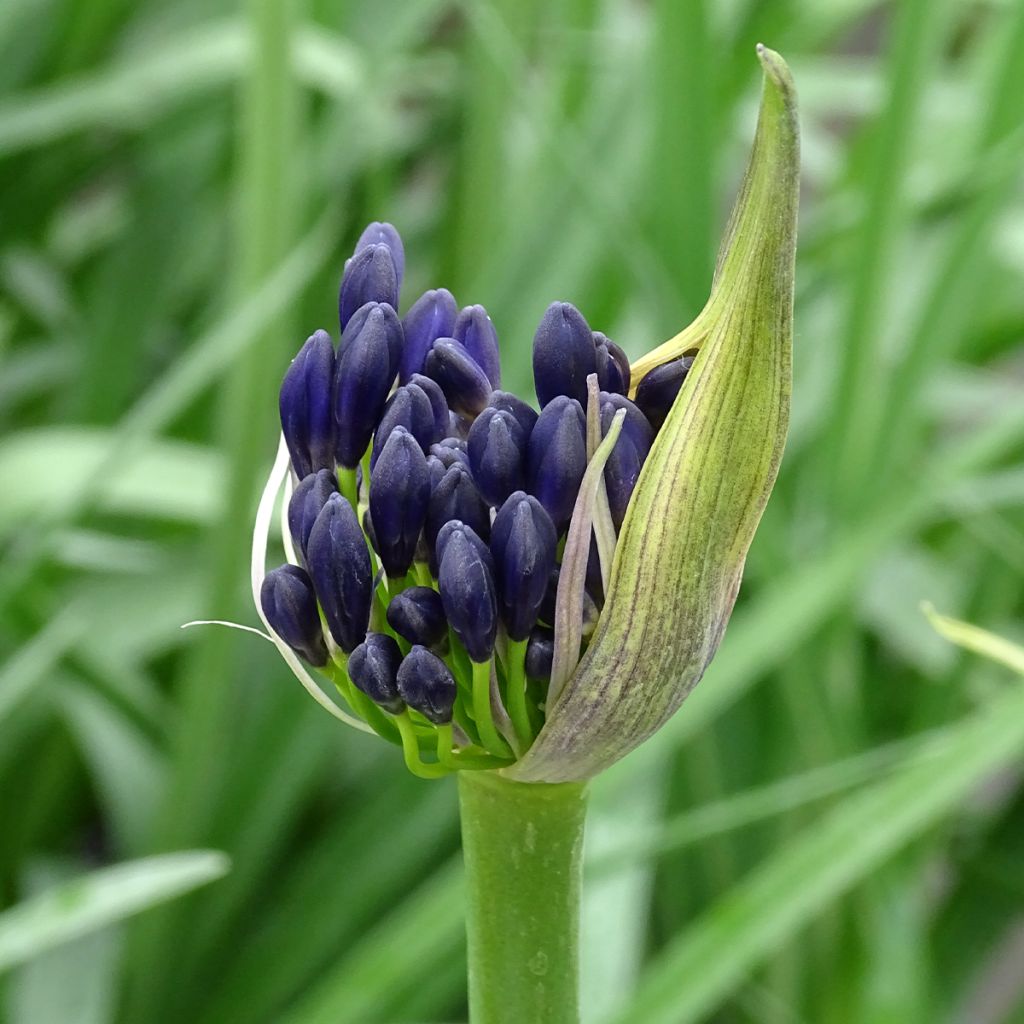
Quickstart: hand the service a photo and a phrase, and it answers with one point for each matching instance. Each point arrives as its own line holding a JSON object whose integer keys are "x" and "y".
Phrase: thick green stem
{"x": 523, "y": 847}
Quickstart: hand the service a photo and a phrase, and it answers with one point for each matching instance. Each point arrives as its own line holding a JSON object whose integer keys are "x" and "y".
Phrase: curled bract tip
{"x": 703, "y": 488}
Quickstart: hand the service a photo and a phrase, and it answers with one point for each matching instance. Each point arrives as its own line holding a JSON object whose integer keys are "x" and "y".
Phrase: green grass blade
{"x": 756, "y": 805}
{"x": 683, "y": 155}
{"x": 980, "y": 641}
{"x": 424, "y": 931}
{"x": 914, "y": 50}
{"x": 707, "y": 962}
{"x": 125, "y": 96}
{"x": 75, "y": 908}
{"x": 950, "y": 304}
{"x": 228, "y": 341}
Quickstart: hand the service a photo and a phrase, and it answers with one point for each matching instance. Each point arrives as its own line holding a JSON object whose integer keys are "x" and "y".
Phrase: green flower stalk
{"x": 520, "y": 598}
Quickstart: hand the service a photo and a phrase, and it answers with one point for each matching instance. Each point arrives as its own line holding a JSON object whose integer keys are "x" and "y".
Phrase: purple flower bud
{"x": 438, "y": 403}
{"x": 339, "y": 563}
{"x": 358, "y": 321}
{"x": 466, "y": 582}
{"x": 373, "y": 667}
{"x": 430, "y": 317}
{"x": 305, "y": 403}
{"x": 612, "y": 365}
{"x": 525, "y": 414}
{"x": 523, "y": 543}
{"x": 477, "y": 334}
{"x": 627, "y": 458}
{"x": 436, "y": 468}
{"x": 399, "y": 491}
{"x": 540, "y": 652}
{"x": 288, "y": 602}
{"x": 658, "y": 389}
{"x": 563, "y": 354}
{"x": 463, "y": 382}
{"x": 417, "y": 615}
{"x": 363, "y": 377}
{"x": 497, "y": 454}
{"x": 455, "y": 497}
{"x": 370, "y": 276}
{"x": 382, "y": 233}
{"x": 451, "y": 450}
{"x": 426, "y": 685}
{"x": 557, "y": 458}
{"x": 408, "y": 407}
{"x": 454, "y": 526}
{"x": 443, "y": 455}
{"x": 306, "y": 502}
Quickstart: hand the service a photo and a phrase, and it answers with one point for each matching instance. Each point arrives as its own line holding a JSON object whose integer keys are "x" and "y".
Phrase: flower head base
{"x": 494, "y": 588}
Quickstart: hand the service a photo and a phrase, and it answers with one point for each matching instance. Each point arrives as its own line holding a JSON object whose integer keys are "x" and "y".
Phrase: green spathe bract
{"x": 702, "y": 491}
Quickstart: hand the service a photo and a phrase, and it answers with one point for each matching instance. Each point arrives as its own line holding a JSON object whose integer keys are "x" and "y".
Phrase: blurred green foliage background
{"x": 832, "y": 829}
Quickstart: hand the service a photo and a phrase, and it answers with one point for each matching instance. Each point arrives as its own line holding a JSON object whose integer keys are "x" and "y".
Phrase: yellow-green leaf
{"x": 703, "y": 489}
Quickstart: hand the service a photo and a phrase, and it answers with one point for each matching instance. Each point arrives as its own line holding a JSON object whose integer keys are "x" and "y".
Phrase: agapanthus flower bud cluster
{"x": 494, "y": 585}
{"x": 429, "y": 511}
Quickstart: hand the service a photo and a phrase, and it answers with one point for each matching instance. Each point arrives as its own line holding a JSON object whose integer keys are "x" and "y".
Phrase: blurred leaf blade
{"x": 85, "y": 904}
{"x": 705, "y": 964}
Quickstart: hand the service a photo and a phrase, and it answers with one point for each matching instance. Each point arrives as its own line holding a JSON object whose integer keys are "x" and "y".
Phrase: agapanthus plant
{"x": 519, "y": 592}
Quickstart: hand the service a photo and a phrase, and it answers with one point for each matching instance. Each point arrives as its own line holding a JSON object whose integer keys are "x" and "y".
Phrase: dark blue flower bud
{"x": 382, "y": 233}
{"x": 370, "y": 276}
{"x": 523, "y": 543}
{"x": 658, "y": 389}
{"x": 288, "y": 602}
{"x": 306, "y": 502}
{"x": 307, "y": 420}
{"x": 557, "y": 458}
{"x": 436, "y": 468}
{"x": 525, "y": 414}
{"x": 443, "y": 455}
{"x": 408, "y": 407}
{"x": 430, "y": 317}
{"x": 457, "y": 526}
{"x": 627, "y": 457}
{"x": 451, "y": 450}
{"x": 477, "y": 334}
{"x": 358, "y": 320}
{"x": 497, "y": 454}
{"x": 438, "y": 403}
{"x": 563, "y": 354}
{"x": 463, "y": 382}
{"x": 466, "y": 581}
{"x": 339, "y": 563}
{"x": 418, "y": 615}
{"x": 427, "y": 686}
{"x": 612, "y": 365}
{"x": 363, "y": 377}
{"x": 399, "y": 491}
{"x": 455, "y": 497}
{"x": 540, "y": 652}
{"x": 373, "y": 667}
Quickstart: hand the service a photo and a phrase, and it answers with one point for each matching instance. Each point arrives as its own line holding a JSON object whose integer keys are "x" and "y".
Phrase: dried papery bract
{"x": 703, "y": 488}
